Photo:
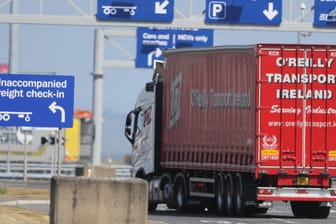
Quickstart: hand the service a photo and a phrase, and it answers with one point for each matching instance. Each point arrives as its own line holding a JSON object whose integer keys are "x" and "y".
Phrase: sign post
{"x": 59, "y": 152}
{"x": 25, "y": 162}
{"x": 36, "y": 101}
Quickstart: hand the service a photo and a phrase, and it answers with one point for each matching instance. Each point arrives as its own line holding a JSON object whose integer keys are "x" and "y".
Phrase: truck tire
{"x": 181, "y": 197}
{"x": 219, "y": 195}
{"x": 322, "y": 212}
{"x": 228, "y": 195}
{"x": 298, "y": 209}
{"x": 238, "y": 196}
{"x": 168, "y": 194}
{"x": 309, "y": 210}
{"x": 152, "y": 206}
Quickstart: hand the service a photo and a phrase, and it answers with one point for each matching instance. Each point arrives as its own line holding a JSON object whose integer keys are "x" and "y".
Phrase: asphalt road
{"x": 279, "y": 214}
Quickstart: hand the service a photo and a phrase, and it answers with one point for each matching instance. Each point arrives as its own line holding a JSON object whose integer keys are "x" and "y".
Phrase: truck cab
{"x": 139, "y": 130}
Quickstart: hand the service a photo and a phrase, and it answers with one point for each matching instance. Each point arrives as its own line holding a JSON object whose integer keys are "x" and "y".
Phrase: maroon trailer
{"x": 234, "y": 128}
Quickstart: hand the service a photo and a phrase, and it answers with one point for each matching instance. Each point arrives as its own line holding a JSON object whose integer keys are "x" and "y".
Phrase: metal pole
{"x": 12, "y": 54}
{"x": 190, "y": 8}
{"x": 59, "y": 152}
{"x": 290, "y": 11}
{"x": 13, "y": 40}
{"x": 303, "y": 9}
{"x": 8, "y": 151}
{"x": 55, "y": 157}
{"x": 25, "y": 156}
{"x": 97, "y": 98}
{"x": 51, "y": 160}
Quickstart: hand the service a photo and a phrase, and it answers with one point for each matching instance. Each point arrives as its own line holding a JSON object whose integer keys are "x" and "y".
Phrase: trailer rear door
{"x": 296, "y": 109}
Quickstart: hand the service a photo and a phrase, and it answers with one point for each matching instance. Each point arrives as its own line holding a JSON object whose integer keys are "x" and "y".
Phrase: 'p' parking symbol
{"x": 217, "y": 10}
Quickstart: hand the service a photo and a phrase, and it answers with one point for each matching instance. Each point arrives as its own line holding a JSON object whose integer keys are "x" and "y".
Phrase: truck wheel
{"x": 152, "y": 206}
{"x": 219, "y": 195}
{"x": 228, "y": 195}
{"x": 309, "y": 210}
{"x": 167, "y": 191}
{"x": 322, "y": 212}
{"x": 181, "y": 197}
{"x": 168, "y": 194}
{"x": 298, "y": 209}
{"x": 238, "y": 196}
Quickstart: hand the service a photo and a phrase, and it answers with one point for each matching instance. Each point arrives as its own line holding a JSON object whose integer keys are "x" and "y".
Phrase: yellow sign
{"x": 270, "y": 152}
{"x": 332, "y": 153}
{"x": 302, "y": 180}
{"x": 72, "y": 143}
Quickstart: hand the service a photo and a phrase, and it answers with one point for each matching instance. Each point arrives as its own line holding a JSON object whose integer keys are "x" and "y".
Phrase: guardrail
{"x": 122, "y": 170}
{"x": 47, "y": 170}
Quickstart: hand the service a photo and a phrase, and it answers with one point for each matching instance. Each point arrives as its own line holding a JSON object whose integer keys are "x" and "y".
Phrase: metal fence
{"x": 15, "y": 170}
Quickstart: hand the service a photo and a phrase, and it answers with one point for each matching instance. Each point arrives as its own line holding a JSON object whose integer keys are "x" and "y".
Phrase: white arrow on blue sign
{"x": 135, "y": 10}
{"x": 36, "y": 100}
{"x": 151, "y": 42}
{"x": 261, "y": 12}
{"x": 325, "y": 13}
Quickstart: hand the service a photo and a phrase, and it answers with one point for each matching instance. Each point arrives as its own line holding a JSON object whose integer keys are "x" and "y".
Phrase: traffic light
{"x": 52, "y": 140}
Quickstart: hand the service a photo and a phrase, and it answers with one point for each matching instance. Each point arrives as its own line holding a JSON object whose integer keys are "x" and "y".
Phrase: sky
{"x": 68, "y": 50}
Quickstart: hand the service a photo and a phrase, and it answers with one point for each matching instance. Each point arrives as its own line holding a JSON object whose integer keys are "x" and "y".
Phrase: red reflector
{"x": 333, "y": 193}
{"x": 302, "y": 191}
{"x": 200, "y": 185}
{"x": 265, "y": 192}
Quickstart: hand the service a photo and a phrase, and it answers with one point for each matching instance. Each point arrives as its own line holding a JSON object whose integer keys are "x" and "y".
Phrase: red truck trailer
{"x": 234, "y": 128}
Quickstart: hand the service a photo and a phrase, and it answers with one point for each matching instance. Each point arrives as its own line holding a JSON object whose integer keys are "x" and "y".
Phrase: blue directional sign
{"x": 36, "y": 100}
{"x": 260, "y": 12}
{"x": 136, "y": 10}
{"x": 325, "y": 13}
{"x": 152, "y": 41}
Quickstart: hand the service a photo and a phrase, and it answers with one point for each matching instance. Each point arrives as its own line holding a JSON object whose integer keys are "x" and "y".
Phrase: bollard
{"x": 80, "y": 200}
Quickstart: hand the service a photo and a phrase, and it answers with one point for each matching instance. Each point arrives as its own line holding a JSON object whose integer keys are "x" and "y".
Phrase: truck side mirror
{"x": 127, "y": 131}
{"x": 129, "y": 127}
{"x": 150, "y": 87}
{"x": 128, "y": 120}
{"x": 130, "y": 124}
